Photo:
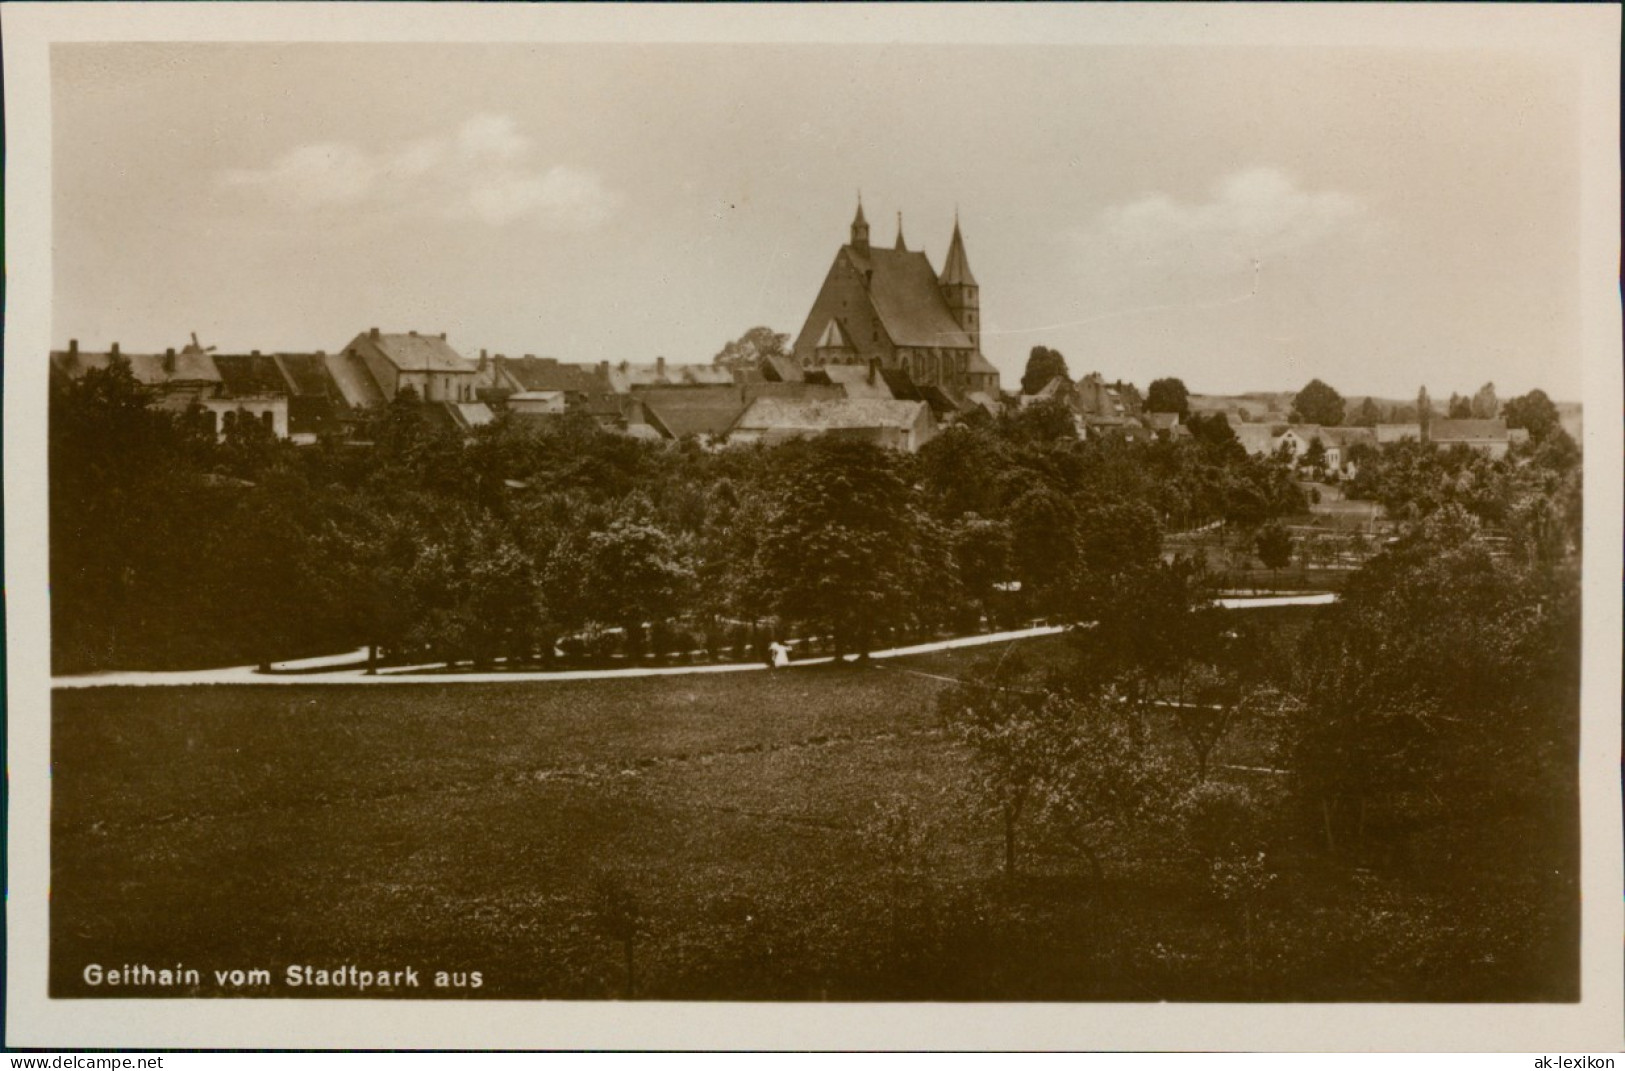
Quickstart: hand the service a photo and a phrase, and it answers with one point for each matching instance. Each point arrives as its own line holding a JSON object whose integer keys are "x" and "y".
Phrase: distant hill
{"x": 1261, "y": 406}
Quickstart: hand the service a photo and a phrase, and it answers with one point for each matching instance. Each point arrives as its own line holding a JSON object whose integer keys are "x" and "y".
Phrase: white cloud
{"x": 1257, "y": 214}
{"x": 313, "y": 175}
{"x": 492, "y": 136}
{"x": 563, "y": 198}
{"x": 486, "y": 170}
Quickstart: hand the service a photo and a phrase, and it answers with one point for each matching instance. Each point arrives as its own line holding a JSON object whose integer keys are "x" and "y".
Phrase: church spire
{"x": 956, "y": 269}
{"x": 901, "y": 248}
{"x": 860, "y": 228}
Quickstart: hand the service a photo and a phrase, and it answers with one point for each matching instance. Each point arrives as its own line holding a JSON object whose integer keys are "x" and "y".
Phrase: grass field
{"x": 479, "y": 828}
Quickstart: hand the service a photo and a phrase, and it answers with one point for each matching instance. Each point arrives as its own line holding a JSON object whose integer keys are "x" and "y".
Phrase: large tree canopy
{"x": 1168, "y": 396}
{"x": 1043, "y": 365}
{"x": 748, "y": 350}
{"x": 1318, "y": 403}
{"x": 1534, "y": 412}
{"x": 1366, "y": 415}
{"x": 844, "y": 542}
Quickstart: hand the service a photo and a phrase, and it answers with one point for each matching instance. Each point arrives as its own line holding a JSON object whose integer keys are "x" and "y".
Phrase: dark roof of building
{"x": 904, "y": 291}
{"x": 802, "y": 390}
{"x": 781, "y": 370}
{"x": 681, "y": 411}
{"x": 1348, "y": 436}
{"x": 546, "y": 373}
{"x": 1463, "y": 430}
{"x": 941, "y": 405}
{"x": 307, "y": 374}
{"x": 902, "y": 385}
{"x": 243, "y": 374}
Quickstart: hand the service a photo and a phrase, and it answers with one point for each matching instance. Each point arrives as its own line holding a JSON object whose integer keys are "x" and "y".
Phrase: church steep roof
{"x": 956, "y": 269}
{"x": 903, "y": 288}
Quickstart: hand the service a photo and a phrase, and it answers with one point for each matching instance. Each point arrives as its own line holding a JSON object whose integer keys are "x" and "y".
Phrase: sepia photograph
{"x": 865, "y": 513}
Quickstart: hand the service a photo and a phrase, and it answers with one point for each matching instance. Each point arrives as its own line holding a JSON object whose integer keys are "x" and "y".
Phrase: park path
{"x": 349, "y": 667}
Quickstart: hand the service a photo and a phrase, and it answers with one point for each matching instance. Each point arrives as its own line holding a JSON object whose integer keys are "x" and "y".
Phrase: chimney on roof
{"x": 114, "y": 350}
{"x": 73, "y": 348}
{"x": 251, "y": 353}
{"x": 874, "y": 368}
{"x": 169, "y": 359}
{"x": 660, "y": 367}
{"x": 373, "y": 334}
{"x": 442, "y": 336}
{"x": 414, "y": 334}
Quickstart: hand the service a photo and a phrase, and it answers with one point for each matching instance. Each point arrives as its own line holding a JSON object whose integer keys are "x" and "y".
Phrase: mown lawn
{"x": 474, "y": 828}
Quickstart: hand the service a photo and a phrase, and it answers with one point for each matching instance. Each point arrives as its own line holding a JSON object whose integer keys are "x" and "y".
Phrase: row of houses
{"x": 303, "y": 396}
{"x": 1491, "y": 437}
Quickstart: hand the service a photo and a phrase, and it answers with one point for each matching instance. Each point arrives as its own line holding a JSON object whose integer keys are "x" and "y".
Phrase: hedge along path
{"x": 408, "y": 675}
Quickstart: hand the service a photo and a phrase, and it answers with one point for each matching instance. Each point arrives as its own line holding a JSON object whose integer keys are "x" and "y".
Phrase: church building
{"x": 891, "y": 306}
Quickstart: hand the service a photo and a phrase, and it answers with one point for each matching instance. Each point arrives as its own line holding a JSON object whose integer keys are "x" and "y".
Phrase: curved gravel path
{"x": 313, "y": 670}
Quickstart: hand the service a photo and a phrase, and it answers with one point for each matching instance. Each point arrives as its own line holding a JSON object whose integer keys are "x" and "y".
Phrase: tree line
{"x": 528, "y": 539}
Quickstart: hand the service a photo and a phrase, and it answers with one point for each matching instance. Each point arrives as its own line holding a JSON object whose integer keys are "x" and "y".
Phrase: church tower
{"x": 860, "y": 230}
{"x": 959, "y": 288}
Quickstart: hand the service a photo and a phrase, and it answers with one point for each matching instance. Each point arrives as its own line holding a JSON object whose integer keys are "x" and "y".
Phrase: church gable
{"x": 891, "y": 306}
{"x": 844, "y": 297}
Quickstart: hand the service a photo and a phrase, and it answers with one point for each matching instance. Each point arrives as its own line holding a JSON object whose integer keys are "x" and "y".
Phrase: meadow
{"x": 731, "y": 826}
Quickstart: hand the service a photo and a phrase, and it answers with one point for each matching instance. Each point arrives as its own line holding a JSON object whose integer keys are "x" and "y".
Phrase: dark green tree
{"x": 1168, "y": 396}
{"x": 1317, "y": 403}
{"x": 1367, "y": 414}
{"x": 841, "y": 542}
{"x": 1274, "y": 547}
{"x": 751, "y": 348}
{"x": 1535, "y": 412}
{"x": 1043, "y": 365}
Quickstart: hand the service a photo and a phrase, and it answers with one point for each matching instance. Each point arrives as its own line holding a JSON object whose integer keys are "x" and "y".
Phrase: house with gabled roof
{"x": 892, "y": 306}
{"x": 702, "y": 413}
{"x": 628, "y": 376}
{"x": 192, "y": 381}
{"x": 1486, "y": 436}
{"x": 905, "y": 426}
{"x": 535, "y": 386}
{"x": 427, "y": 364}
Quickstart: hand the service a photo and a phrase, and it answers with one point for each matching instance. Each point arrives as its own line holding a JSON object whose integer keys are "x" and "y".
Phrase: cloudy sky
{"x": 1245, "y": 218}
